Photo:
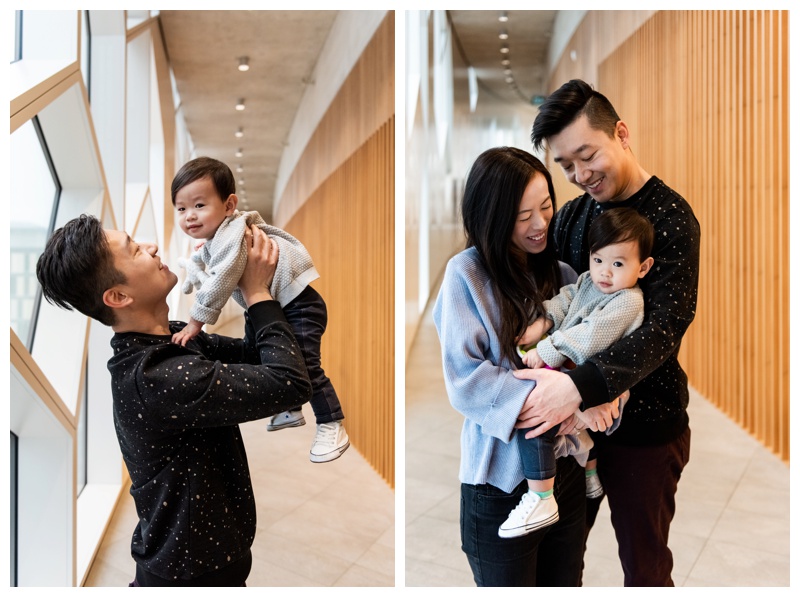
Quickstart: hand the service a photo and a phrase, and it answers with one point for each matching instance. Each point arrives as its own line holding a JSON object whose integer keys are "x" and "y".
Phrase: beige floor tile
{"x": 761, "y": 531}
{"x": 731, "y": 565}
{"x": 430, "y": 574}
{"x": 361, "y": 576}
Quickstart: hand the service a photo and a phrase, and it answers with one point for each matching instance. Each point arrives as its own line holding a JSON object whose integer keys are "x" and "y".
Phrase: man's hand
{"x": 552, "y": 401}
{"x": 262, "y": 258}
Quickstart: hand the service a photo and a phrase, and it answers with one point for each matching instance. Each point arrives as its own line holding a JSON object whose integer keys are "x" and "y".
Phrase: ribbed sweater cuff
{"x": 591, "y": 385}
{"x": 263, "y": 313}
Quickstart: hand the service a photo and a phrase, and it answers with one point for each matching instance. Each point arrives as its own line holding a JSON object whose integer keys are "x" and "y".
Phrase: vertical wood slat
{"x": 347, "y": 225}
{"x": 339, "y": 201}
{"x": 709, "y": 114}
{"x": 364, "y": 102}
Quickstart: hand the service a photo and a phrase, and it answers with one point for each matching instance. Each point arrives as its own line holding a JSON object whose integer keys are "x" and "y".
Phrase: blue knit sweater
{"x": 479, "y": 383}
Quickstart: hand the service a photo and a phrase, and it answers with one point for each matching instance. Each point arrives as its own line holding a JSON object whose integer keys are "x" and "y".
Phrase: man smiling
{"x": 640, "y": 464}
{"x": 177, "y": 409}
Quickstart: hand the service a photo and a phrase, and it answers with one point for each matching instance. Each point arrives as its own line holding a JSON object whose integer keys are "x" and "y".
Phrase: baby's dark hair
{"x": 219, "y": 173}
{"x": 621, "y": 225}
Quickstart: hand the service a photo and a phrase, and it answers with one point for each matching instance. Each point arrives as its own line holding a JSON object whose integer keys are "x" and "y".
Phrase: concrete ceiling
{"x": 204, "y": 48}
{"x": 476, "y": 43}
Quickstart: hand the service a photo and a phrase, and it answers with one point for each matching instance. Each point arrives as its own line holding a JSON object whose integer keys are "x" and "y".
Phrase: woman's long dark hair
{"x": 489, "y": 209}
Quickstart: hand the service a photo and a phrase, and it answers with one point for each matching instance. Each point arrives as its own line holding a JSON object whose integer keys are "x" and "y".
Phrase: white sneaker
{"x": 330, "y": 442}
{"x": 289, "y": 418}
{"x": 531, "y": 513}
{"x": 594, "y": 489}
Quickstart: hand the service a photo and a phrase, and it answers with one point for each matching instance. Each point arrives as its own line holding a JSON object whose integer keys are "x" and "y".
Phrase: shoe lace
{"x": 326, "y": 434}
{"x": 526, "y": 504}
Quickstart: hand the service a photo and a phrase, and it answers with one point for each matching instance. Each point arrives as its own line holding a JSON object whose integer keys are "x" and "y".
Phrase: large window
{"x": 82, "y": 435}
{"x": 86, "y": 52}
{"x": 12, "y": 529}
{"x": 15, "y": 35}
{"x": 34, "y": 199}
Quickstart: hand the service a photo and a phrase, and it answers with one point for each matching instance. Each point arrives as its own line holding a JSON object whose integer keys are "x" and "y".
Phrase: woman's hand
{"x": 262, "y": 259}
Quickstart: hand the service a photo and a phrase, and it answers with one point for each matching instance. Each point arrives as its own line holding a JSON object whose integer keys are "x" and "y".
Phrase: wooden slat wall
{"x": 339, "y": 201}
{"x": 348, "y": 227}
{"x": 706, "y": 97}
{"x": 364, "y": 102}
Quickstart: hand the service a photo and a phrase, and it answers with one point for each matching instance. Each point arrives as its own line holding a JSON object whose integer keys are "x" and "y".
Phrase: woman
{"x": 490, "y": 292}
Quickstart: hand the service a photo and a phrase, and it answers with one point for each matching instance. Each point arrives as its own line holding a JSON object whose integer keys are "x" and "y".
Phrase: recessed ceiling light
{"x": 503, "y": 17}
{"x": 503, "y": 34}
{"x": 239, "y": 133}
{"x": 244, "y": 63}
{"x": 503, "y": 50}
{"x": 505, "y": 62}
{"x": 240, "y": 104}
{"x": 239, "y": 153}
{"x": 239, "y": 168}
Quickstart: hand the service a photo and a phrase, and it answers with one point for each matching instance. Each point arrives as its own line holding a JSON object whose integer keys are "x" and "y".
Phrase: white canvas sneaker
{"x": 330, "y": 442}
{"x": 289, "y": 418}
{"x": 594, "y": 489}
{"x": 531, "y": 513}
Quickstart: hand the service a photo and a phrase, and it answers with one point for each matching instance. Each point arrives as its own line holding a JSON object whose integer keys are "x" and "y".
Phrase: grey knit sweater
{"x": 587, "y": 321}
{"x": 225, "y": 257}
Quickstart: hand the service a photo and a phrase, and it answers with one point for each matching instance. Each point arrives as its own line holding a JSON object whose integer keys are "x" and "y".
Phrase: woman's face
{"x": 533, "y": 218}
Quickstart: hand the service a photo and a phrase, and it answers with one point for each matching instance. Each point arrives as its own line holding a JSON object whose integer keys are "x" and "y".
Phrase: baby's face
{"x": 200, "y": 209}
{"x": 616, "y": 267}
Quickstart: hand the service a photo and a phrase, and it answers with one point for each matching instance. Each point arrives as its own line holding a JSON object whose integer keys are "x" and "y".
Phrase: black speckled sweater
{"x": 176, "y": 412}
{"x": 646, "y": 361}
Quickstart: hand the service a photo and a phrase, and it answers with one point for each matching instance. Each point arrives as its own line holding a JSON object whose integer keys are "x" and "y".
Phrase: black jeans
{"x": 549, "y": 557}
{"x": 308, "y": 316}
{"x": 640, "y": 483}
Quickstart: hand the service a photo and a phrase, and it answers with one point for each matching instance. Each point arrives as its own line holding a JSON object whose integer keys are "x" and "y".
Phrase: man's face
{"x": 595, "y": 162}
{"x": 147, "y": 278}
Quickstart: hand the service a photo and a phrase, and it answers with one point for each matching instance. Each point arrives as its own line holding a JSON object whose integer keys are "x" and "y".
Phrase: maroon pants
{"x": 640, "y": 482}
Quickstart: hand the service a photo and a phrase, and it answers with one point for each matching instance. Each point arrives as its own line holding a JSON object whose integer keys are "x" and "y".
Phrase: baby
{"x": 203, "y": 193}
{"x": 604, "y": 305}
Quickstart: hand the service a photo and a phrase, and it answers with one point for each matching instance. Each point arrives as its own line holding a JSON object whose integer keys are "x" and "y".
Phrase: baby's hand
{"x": 190, "y": 331}
{"x": 533, "y": 360}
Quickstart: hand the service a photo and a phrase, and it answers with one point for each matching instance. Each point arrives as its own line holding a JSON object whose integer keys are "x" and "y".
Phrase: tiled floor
{"x": 732, "y": 522}
{"x": 318, "y": 524}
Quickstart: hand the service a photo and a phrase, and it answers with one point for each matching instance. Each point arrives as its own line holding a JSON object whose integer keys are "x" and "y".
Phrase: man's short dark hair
{"x": 77, "y": 267}
{"x": 564, "y": 105}
{"x": 622, "y": 225}
{"x": 219, "y": 173}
